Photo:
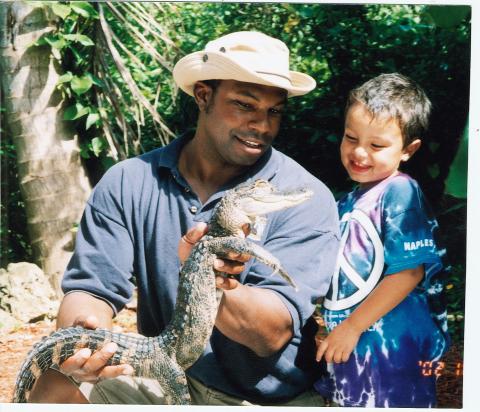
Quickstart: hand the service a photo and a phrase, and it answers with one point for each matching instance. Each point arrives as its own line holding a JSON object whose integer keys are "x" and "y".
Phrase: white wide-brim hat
{"x": 244, "y": 56}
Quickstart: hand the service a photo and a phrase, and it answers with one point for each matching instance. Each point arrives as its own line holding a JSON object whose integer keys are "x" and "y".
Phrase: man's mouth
{"x": 249, "y": 143}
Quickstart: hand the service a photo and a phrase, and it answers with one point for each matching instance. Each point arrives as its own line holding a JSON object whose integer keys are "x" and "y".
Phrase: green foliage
{"x": 72, "y": 45}
{"x": 14, "y": 245}
{"x": 456, "y": 183}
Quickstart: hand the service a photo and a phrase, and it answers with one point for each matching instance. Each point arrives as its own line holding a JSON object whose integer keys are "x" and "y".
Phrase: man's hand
{"x": 232, "y": 264}
{"x": 84, "y": 366}
{"x": 339, "y": 344}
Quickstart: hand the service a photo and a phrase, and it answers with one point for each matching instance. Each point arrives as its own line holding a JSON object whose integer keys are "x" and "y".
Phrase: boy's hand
{"x": 339, "y": 344}
{"x": 232, "y": 264}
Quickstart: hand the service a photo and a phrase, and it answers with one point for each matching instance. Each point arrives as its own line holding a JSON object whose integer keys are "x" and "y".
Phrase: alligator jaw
{"x": 260, "y": 203}
{"x": 262, "y": 198}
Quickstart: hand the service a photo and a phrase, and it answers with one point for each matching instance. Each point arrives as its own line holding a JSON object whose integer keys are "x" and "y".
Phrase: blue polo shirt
{"x": 130, "y": 232}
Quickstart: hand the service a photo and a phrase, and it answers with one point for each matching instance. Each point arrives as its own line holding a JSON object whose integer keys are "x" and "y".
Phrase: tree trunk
{"x": 52, "y": 179}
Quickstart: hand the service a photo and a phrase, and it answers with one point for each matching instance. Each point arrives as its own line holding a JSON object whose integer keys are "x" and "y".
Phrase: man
{"x": 262, "y": 348}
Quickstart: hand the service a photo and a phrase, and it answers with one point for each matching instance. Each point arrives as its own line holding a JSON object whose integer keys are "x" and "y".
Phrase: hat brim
{"x": 210, "y": 65}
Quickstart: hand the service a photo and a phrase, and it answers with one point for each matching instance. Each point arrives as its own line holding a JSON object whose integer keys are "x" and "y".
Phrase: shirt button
{"x": 193, "y": 209}
{"x": 187, "y": 189}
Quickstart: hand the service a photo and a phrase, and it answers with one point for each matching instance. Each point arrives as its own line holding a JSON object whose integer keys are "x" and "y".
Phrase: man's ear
{"x": 411, "y": 149}
{"x": 203, "y": 94}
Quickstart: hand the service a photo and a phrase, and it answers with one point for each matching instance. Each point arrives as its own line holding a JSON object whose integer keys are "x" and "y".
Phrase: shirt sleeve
{"x": 305, "y": 240}
{"x": 409, "y": 231}
{"x": 102, "y": 264}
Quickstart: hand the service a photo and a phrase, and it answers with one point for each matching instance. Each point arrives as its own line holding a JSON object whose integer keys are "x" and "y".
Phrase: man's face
{"x": 240, "y": 120}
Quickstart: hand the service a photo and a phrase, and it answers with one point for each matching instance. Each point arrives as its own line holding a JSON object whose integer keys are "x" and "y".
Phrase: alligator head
{"x": 247, "y": 204}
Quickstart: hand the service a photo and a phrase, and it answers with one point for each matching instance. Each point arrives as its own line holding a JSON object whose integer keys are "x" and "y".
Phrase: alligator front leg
{"x": 219, "y": 246}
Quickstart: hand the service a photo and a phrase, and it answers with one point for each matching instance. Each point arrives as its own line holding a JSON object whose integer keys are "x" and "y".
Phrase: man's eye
{"x": 276, "y": 112}
{"x": 243, "y": 105}
{"x": 350, "y": 138}
{"x": 377, "y": 146}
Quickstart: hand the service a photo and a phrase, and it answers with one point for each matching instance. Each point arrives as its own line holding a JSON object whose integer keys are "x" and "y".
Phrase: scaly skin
{"x": 167, "y": 356}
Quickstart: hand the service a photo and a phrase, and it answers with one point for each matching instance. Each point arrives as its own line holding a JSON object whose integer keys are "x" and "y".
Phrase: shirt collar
{"x": 170, "y": 153}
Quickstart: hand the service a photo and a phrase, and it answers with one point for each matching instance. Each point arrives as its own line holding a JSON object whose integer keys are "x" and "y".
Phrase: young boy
{"x": 384, "y": 311}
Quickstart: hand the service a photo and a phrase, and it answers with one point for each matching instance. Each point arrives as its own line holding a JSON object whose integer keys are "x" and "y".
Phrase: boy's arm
{"x": 338, "y": 345}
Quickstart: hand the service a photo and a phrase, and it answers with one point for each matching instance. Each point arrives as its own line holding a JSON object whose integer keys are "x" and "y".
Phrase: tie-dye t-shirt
{"x": 386, "y": 229}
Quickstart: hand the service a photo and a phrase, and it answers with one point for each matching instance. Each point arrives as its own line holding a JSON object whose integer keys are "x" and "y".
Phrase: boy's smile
{"x": 372, "y": 148}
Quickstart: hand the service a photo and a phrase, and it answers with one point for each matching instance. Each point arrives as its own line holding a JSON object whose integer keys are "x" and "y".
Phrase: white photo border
{"x": 471, "y": 385}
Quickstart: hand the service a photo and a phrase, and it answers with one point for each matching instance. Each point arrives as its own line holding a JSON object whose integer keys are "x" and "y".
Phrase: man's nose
{"x": 260, "y": 122}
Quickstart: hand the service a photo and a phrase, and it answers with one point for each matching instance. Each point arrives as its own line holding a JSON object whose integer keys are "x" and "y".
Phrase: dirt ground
{"x": 15, "y": 345}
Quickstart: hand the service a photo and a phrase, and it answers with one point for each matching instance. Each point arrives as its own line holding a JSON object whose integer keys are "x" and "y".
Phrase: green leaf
{"x": 56, "y": 54}
{"x": 96, "y": 81}
{"x": 40, "y": 41}
{"x": 55, "y": 41}
{"x": 61, "y": 10}
{"x": 84, "y": 9}
{"x": 85, "y": 151}
{"x": 75, "y": 112}
{"x": 92, "y": 118}
{"x": 98, "y": 145}
{"x": 81, "y": 85}
{"x": 65, "y": 78}
{"x": 456, "y": 182}
{"x": 80, "y": 38}
{"x": 107, "y": 162}
{"x": 77, "y": 54}
{"x": 448, "y": 16}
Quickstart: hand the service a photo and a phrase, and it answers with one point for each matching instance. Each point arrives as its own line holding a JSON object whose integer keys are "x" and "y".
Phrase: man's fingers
{"x": 226, "y": 283}
{"x": 238, "y": 257}
{"x": 87, "y": 367}
{"x": 88, "y": 322}
{"x": 76, "y": 361}
{"x": 100, "y": 358}
{"x": 91, "y": 322}
{"x": 115, "y": 371}
{"x": 227, "y": 266}
{"x": 246, "y": 229}
{"x": 195, "y": 233}
{"x": 189, "y": 239}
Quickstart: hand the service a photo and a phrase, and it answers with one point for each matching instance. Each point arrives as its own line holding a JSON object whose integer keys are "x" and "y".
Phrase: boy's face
{"x": 372, "y": 148}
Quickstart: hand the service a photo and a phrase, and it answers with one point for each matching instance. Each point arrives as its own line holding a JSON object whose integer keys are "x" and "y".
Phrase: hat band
{"x": 275, "y": 74}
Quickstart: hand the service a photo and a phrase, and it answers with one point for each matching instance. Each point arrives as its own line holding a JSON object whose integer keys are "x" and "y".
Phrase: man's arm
{"x": 256, "y": 318}
{"x": 339, "y": 344}
{"x": 77, "y": 307}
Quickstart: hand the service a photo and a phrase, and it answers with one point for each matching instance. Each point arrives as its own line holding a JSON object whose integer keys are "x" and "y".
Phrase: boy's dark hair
{"x": 398, "y": 97}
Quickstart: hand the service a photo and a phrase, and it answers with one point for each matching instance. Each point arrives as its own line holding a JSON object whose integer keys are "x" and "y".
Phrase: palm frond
{"x": 142, "y": 47}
